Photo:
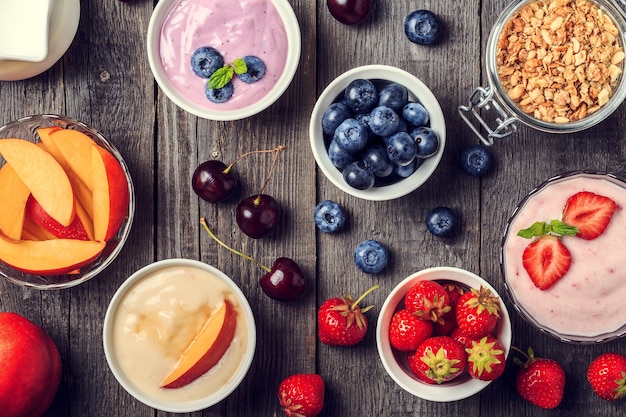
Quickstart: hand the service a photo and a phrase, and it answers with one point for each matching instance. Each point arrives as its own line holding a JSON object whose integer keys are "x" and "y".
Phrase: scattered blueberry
{"x": 394, "y": 96}
{"x": 329, "y": 216}
{"x": 401, "y": 148}
{"x": 358, "y": 175}
{"x": 371, "y": 256}
{"x": 441, "y": 222}
{"x": 205, "y": 61}
{"x": 426, "y": 140}
{"x": 333, "y": 116}
{"x": 376, "y": 159}
{"x": 383, "y": 121}
{"x": 339, "y": 157}
{"x": 415, "y": 114}
{"x": 422, "y": 27}
{"x": 351, "y": 135}
{"x": 256, "y": 69}
{"x": 361, "y": 95}
{"x": 220, "y": 95}
{"x": 476, "y": 160}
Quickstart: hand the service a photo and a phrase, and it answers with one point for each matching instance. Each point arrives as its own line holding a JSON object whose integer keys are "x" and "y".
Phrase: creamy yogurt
{"x": 157, "y": 319}
{"x": 588, "y": 300}
{"x": 236, "y": 28}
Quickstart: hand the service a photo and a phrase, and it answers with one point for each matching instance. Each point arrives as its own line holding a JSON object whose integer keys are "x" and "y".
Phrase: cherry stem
{"x": 240, "y": 157}
{"x": 356, "y": 303}
{"x": 278, "y": 150}
{"x": 243, "y": 255}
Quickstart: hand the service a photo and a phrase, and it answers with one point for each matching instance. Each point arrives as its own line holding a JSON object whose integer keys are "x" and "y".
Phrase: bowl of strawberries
{"x": 443, "y": 334}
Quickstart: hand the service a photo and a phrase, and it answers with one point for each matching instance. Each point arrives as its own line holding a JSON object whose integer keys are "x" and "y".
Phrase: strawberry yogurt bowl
{"x": 561, "y": 257}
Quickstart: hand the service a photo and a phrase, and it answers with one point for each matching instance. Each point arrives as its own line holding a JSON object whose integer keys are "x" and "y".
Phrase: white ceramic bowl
{"x": 207, "y": 109}
{"x": 161, "y": 400}
{"x": 395, "y": 362}
{"x": 379, "y": 74}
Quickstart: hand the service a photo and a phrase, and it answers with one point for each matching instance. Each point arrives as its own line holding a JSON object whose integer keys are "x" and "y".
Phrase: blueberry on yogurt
{"x": 255, "y": 69}
{"x": 205, "y": 61}
{"x": 220, "y": 95}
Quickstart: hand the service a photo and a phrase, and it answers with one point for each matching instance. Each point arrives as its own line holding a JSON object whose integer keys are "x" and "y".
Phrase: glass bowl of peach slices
{"x": 67, "y": 202}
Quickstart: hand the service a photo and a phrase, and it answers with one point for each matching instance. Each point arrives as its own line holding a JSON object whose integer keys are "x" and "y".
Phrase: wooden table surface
{"x": 105, "y": 80}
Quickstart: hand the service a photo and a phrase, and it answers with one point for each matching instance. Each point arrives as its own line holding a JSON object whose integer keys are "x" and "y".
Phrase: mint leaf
{"x": 537, "y": 229}
{"x": 221, "y": 77}
{"x": 240, "y": 66}
{"x": 563, "y": 229}
{"x": 542, "y": 228}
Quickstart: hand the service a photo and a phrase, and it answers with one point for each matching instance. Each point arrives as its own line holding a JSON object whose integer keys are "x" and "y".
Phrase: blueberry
{"x": 329, "y": 216}
{"x": 393, "y": 95}
{"x": 220, "y": 95}
{"x": 407, "y": 170}
{"x": 426, "y": 140}
{"x": 371, "y": 256}
{"x": 339, "y": 157}
{"x": 256, "y": 69}
{"x": 415, "y": 114}
{"x": 351, "y": 135}
{"x": 358, "y": 175}
{"x": 476, "y": 160}
{"x": 205, "y": 61}
{"x": 375, "y": 157}
{"x": 384, "y": 121}
{"x": 365, "y": 119}
{"x": 441, "y": 222}
{"x": 361, "y": 95}
{"x": 333, "y": 116}
{"x": 422, "y": 27}
{"x": 401, "y": 148}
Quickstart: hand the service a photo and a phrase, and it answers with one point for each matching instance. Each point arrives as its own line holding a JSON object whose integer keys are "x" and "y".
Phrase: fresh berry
{"x": 422, "y": 27}
{"x": 442, "y": 222}
{"x": 213, "y": 181}
{"x": 477, "y": 312}
{"x": 394, "y": 96}
{"x": 476, "y": 160}
{"x": 358, "y": 175}
{"x": 220, "y": 95}
{"x": 205, "y": 61}
{"x": 329, "y": 217}
{"x": 486, "y": 359}
{"x": 540, "y": 381}
{"x": 255, "y": 69}
{"x": 407, "y": 332}
{"x": 258, "y": 215}
{"x": 401, "y": 148}
{"x": 458, "y": 335}
{"x": 448, "y": 323}
{"x": 333, "y": 116}
{"x": 438, "y": 359}
{"x": 349, "y": 12}
{"x": 426, "y": 141}
{"x": 415, "y": 114}
{"x": 546, "y": 259}
{"x": 407, "y": 170}
{"x": 351, "y": 135}
{"x": 376, "y": 159}
{"x": 384, "y": 121}
{"x": 607, "y": 376}
{"x": 302, "y": 395}
{"x": 428, "y": 300}
{"x": 341, "y": 322}
{"x": 339, "y": 157}
{"x": 588, "y": 212}
{"x": 361, "y": 95}
{"x": 371, "y": 256}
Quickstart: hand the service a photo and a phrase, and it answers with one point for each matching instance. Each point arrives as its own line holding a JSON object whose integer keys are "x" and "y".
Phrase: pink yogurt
{"x": 236, "y": 28}
{"x": 588, "y": 301}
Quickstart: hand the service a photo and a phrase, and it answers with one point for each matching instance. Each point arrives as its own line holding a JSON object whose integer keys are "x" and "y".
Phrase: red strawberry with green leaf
{"x": 540, "y": 381}
{"x": 302, "y": 395}
{"x": 341, "y": 322}
{"x": 446, "y": 327}
{"x": 477, "y": 312}
{"x": 590, "y": 213}
{"x": 607, "y": 376}
{"x": 407, "y": 332}
{"x": 438, "y": 359}
{"x": 486, "y": 359}
{"x": 428, "y": 300}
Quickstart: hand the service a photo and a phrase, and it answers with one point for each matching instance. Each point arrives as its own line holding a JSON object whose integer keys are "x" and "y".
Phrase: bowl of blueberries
{"x": 377, "y": 132}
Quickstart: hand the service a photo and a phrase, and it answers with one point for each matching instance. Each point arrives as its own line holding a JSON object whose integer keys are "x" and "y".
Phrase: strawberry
{"x": 302, "y": 395}
{"x": 546, "y": 260}
{"x": 540, "y": 381}
{"x": 341, "y": 322}
{"x": 428, "y": 300}
{"x": 438, "y": 359}
{"x": 458, "y": 335}
{"x": 590, "y": 213}
{"x": 485, "y": 359}
{"x": 449, "y": 318}
{"x": 607, "y": 376}
{"x": 477, "y": 312}
{"x": 407, "y": 332}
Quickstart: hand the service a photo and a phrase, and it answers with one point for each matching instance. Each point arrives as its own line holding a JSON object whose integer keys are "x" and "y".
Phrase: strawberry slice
{"x": 589, "y": 212}
{"x": 546, "y": 260}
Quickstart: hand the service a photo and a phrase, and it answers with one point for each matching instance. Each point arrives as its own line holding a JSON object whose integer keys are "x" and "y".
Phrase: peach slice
{"x": 206, "y": 349}
{"x": 48, "y": 257}
{"x": 44, "y": 177}
{"x": 75, "y": 148}
{"x": 110, "y": 194}
{"x": 38, "y": 215}
{"x": 13, "y": 195}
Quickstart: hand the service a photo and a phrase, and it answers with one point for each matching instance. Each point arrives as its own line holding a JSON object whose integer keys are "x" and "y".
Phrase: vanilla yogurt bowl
{"x": 586, "y": 304}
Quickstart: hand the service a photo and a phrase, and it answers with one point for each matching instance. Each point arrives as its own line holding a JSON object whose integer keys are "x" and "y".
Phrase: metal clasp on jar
{"x": 482, "y": 98}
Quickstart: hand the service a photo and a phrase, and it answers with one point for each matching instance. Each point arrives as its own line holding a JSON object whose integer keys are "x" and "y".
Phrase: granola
{"x": 559, "y": 60}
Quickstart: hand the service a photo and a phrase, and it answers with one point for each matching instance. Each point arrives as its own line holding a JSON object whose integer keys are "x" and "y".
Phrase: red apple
{"x": 31, "y": 367}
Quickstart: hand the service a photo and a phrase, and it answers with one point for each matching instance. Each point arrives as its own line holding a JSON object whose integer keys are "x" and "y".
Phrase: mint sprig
{"x": 222, "y": 76}
{"x": 542, "y": 228}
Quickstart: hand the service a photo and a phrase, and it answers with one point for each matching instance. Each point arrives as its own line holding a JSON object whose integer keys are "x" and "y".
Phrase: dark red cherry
{"x": 258, "y": 215}
{"x": 285, "y": 280}
{"x": 349, "y": 12}
{"x": 212, "y": 181}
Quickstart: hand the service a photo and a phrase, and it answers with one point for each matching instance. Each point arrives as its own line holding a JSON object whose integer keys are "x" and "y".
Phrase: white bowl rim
{"x": 377, "y": 72}
{"x": 292, "y": 28}
{"x": 170, "y": 406}
{"x": 450, "y": 391}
